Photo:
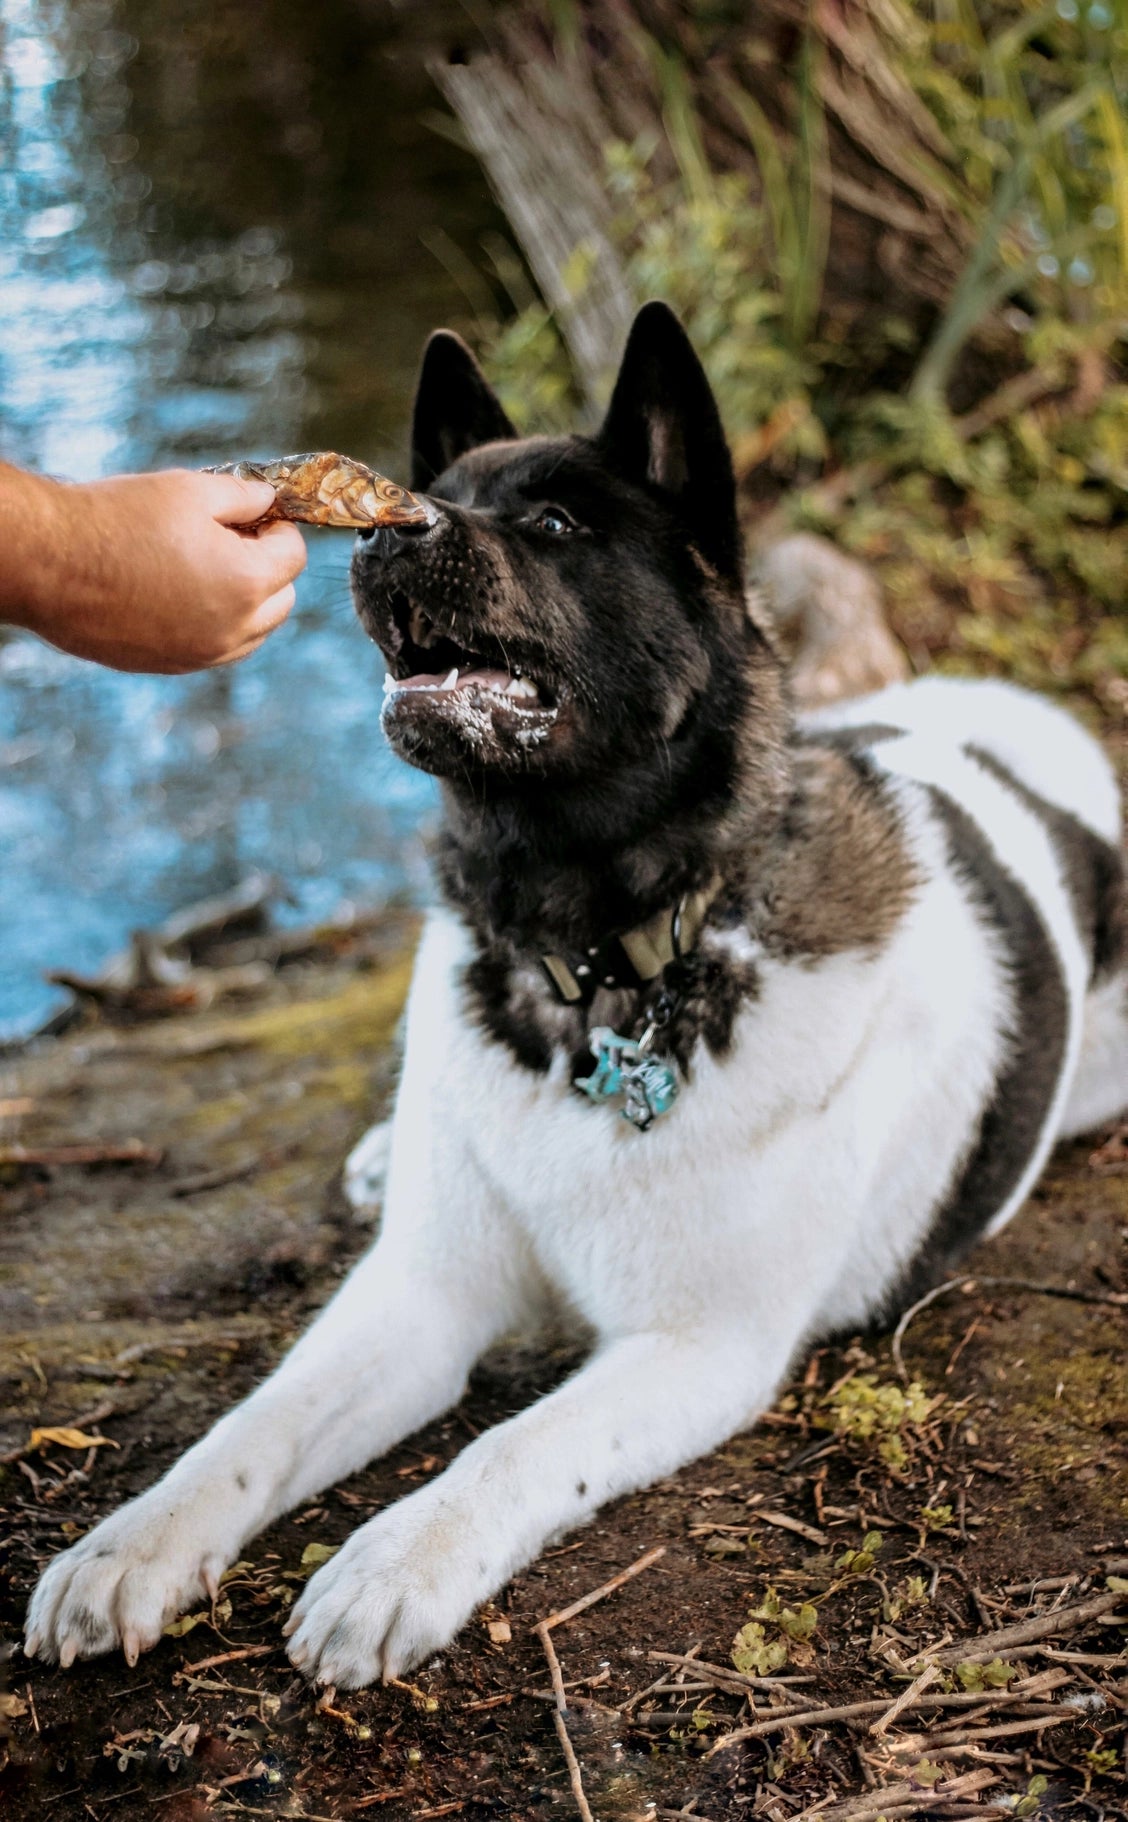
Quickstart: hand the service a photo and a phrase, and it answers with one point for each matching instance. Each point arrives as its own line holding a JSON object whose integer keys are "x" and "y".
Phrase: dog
{"x": 730, "y": 1032}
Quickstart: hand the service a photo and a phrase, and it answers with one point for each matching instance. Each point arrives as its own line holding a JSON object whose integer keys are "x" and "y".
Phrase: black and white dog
{"x": 877, "y": 958}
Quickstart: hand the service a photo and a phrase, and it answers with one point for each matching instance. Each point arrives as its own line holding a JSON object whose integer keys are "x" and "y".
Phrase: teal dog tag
{"x": 623, "y": 1066}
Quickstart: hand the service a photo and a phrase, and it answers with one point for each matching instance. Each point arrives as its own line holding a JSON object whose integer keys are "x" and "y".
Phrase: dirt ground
{"x": 855, "y": 1526}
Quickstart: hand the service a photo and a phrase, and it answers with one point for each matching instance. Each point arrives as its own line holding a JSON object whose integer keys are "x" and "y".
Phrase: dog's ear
{"x": 456, "y": 408}
{"x": 663, "y": 429}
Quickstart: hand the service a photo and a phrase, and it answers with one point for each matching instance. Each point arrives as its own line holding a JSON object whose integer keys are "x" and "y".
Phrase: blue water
{"x": 213, "y": 243}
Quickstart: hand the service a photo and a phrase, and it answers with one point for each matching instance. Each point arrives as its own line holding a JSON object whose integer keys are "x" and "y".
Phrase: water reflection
{"x": 210, "y": 245}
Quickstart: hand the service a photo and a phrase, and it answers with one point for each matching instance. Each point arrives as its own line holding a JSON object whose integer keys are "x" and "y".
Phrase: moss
{"x": 361, "y": 1017}
{"x": 1066, "y": 1415}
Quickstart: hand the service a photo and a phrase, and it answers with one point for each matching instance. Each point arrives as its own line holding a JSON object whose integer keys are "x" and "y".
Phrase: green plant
{"x": 883, "y": 1414}
{"x": 998, "y": 527}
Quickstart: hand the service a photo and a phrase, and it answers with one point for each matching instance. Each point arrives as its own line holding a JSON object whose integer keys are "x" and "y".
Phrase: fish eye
{"x": 556, "y": 522}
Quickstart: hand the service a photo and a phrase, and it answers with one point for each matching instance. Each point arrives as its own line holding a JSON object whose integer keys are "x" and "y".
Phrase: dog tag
{"x": 623, "y": 1066}
{"x": 651, "y": 1090}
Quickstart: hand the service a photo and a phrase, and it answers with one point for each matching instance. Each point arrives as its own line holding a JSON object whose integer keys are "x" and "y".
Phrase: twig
{"x": 1117, "y": 1299}
{"x": 229, "y": 1657}
{"x": 543, "y": 1631}
{"x": 856, "y": 1711}
{"x": 576, "y": 1701}
{"x": 574, "y": 1775}
{"x": 786, "y": 1523}
{"x": 588, "y": 1600}
{"x": 661, "y": 1682}
{"x": 201, "y": 1180}
{"x": 922, "y": 1742}
{"x": 1050, "y": 1625}
{"x": 1091, "y": 1659}
{"x": 906, "y": 1698}
{"x": 887, "y": 1800}
{"x": 737, "y": 1678}
{"x": 130, "y": 1151}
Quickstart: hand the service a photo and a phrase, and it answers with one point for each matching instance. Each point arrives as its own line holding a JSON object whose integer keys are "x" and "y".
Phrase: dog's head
{"x": 577, "y": 609}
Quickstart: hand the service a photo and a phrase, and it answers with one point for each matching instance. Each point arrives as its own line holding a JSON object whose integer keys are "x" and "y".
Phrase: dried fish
{"x": 322, "y": 488}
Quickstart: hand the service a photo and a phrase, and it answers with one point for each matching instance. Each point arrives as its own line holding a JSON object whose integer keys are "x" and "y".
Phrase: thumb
{"x": 236, "y": 502}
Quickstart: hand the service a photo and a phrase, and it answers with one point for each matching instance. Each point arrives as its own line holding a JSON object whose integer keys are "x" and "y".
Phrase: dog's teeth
{"x": 520, "y": 686}
{"x": 389, "y": 683}
{"x": 450, "y": 681}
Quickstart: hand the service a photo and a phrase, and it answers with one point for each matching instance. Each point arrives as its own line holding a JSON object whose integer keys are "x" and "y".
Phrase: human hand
{"x": 146, "y": 572}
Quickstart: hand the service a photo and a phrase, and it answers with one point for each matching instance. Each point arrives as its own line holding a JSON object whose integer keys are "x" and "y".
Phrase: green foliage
{"x": 999, "y": 535}
{"x": 1031, "y": 1802}
{"x": 881, "y": 1414}
{"x": 935, "y": 1518}
{"x": 995, "y": 1675}
{"x": 1102, "y": 1760}
{"x": 755, "y": 1652}
{"x": 911, "y": 1592}
{"x": 860, "y": 1562}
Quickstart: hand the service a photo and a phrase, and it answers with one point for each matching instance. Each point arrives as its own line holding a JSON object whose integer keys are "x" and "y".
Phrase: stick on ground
{"x": 544, "y": 1630}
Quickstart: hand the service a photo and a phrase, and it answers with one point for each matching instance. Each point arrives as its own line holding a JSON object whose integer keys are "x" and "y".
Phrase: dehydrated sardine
{"x": 321, "y": 488}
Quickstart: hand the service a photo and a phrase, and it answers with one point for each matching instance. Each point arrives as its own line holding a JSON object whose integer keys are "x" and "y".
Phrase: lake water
{"x": 224, "y": 231}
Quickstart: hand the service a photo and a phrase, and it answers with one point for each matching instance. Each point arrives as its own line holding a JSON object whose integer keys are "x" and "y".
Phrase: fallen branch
{"x": 598, "y": 1594}
{"x": 923, "y": 1742}
{"x": 736, "y": 1678}
{"x": 906, "y": 1699}
{"x": 544, "y": 1631}
{"x": 128, "y": 1151}
{"x": 1117, "y": 1299}
{"x": 990, "y": 1645}
{"x": 230, "y": 1657}
{"x": 858, "y": 1711}
{"x": 784, "y": 1522}
{"x": 575, "y": 1776}
{"x": 887, "y": 1800}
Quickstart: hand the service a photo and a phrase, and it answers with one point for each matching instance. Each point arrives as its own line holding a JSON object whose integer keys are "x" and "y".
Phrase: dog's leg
{"x": 406, "y": 1581}
{"x": 389, "y": 1352}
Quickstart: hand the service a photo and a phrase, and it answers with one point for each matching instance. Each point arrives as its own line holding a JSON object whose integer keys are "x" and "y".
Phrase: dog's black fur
{"x": 608, "y": 569}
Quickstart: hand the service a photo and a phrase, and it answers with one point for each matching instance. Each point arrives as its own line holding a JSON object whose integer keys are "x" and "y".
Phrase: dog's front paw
{"x": 395, "y": 1593}
{"x": 123, "y": 1582}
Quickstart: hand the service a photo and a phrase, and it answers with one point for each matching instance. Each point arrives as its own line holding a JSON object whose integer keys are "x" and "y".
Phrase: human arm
{"x": 145, "y": 572}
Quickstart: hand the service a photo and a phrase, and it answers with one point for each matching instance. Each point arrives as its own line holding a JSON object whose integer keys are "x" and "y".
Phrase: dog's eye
{"x": 555, "y": 521}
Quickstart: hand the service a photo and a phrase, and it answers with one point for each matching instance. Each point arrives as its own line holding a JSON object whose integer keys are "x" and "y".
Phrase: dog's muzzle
{"x": 382, "y": 543}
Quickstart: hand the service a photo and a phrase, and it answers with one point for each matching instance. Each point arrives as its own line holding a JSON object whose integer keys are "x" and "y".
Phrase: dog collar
{"x": 635, "y": 957}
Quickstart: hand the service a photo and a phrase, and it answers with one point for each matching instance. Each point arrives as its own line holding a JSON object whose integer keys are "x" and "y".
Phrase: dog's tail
{"x": 828, "y": 608}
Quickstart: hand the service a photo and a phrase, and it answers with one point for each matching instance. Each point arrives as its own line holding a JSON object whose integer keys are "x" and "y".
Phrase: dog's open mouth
{"x": 433, "y": 671}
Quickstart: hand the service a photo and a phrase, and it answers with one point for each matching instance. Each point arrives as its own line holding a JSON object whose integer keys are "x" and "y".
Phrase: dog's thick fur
{"x": 909, "y": 983}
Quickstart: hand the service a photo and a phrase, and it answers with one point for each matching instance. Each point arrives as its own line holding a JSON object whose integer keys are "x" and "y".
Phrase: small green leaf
{"x": 754, "y": 1655}
{"x": 934, "y": 1518}
{"x": 799, "y": 1624}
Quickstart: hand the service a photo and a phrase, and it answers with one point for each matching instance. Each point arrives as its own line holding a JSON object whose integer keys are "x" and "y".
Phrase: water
{"x": 224, "y": 231}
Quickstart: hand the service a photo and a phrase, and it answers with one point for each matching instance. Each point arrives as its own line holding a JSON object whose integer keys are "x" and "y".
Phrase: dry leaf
{"x": 12, "y": 1707}
{"x": 68, "y": 1439}
{"x": 187, "y": 1622}
{"x": 176, "y": 1629}
{"x": 315, "y": 1554}
{"x": 500, "y": 1631}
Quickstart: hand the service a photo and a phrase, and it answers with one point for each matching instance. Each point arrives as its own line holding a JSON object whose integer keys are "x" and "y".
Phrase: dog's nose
{"x": 389, "y": 540}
